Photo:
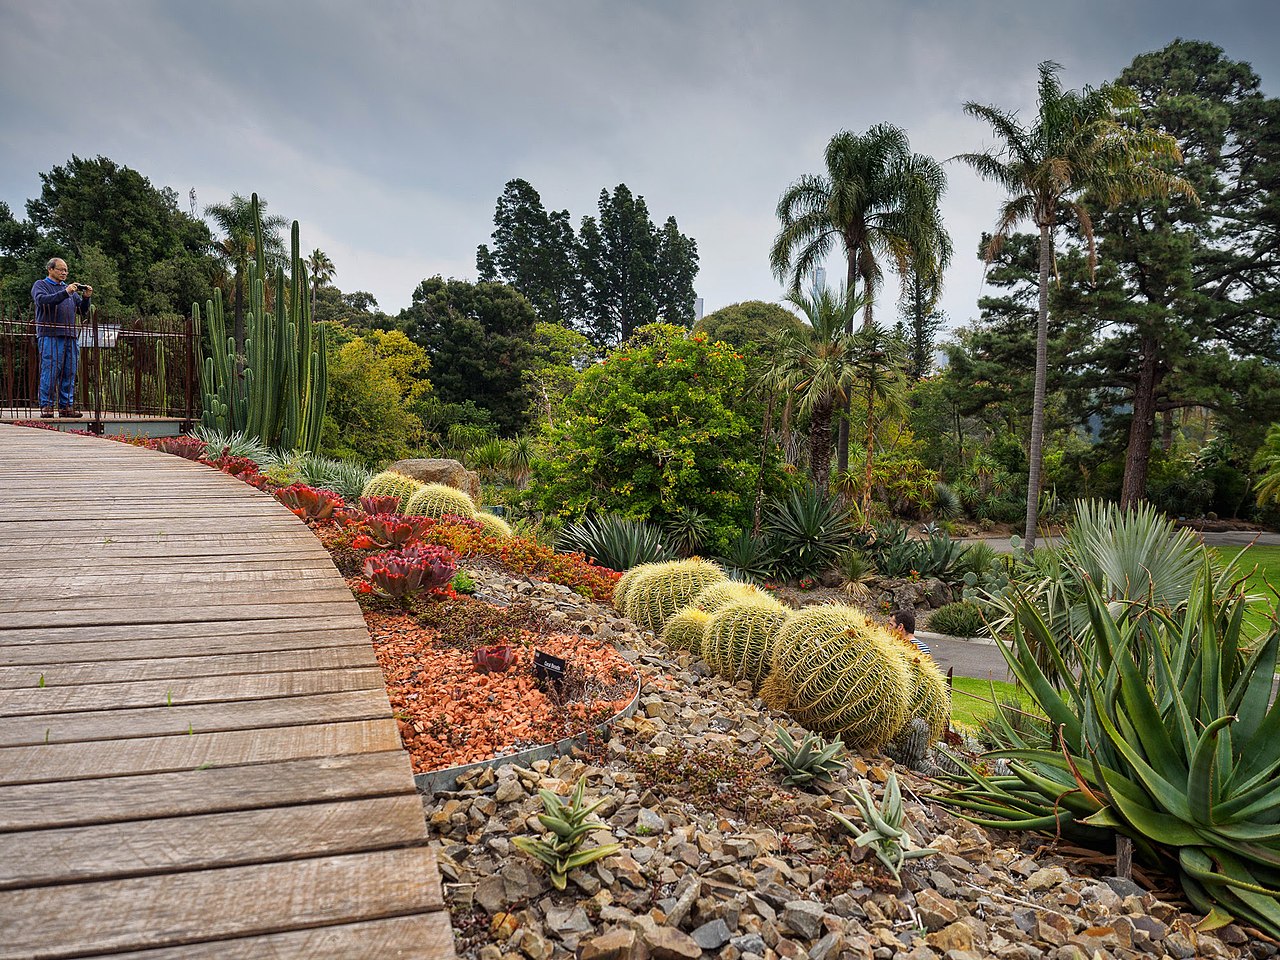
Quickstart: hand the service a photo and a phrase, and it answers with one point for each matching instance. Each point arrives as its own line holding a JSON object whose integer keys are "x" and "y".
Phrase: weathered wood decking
{"x": 197, "y": 756}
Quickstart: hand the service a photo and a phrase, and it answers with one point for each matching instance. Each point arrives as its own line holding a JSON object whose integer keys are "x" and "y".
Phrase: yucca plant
{"x": 569, "y": 826}
{"x": 1168, "y": 737}
{"x": 813, "y": 758}
{"x": 615, "y": 542}
{"x": 884, "y": 833}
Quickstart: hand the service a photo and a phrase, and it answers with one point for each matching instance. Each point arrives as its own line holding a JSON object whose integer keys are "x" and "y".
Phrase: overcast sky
{"x": 387, "y": 129}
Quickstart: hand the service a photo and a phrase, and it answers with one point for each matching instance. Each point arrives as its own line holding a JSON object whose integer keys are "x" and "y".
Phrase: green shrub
{"x": 960, "y": 619}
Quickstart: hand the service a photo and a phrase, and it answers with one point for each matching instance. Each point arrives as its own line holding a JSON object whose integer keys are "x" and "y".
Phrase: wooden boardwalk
{"x": 197, "y": 756}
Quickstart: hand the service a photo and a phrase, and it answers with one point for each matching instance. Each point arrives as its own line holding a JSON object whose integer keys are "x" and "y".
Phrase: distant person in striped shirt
{"x": 903, "y": 622}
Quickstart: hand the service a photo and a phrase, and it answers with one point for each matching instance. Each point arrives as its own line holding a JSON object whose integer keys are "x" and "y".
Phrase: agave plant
{"x": 884, "y": 830}
{"x": 341, "y": 476}
{"x": 614, "y": 542}
{"x": 569, "y": 826}
{"x": 686, "y": 530}
{"x": 809, "y": 531}
{"x": 407, "y": 572}
{"x": 1168, "y": 737}
{"x": 748, "y": 557}
{"x": 813, "y": 758}
{"x": 220, "y": 444}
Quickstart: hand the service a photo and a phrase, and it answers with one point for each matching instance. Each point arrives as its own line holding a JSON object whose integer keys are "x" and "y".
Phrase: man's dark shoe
{"x": 70, "y": 414}
{"x": 46, "y": 413}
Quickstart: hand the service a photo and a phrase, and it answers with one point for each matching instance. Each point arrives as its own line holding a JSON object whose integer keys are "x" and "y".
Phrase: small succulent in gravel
{"x": 569, "y": 826}
{"x": 884, "y": 832}
{"x": 813, "y": 758}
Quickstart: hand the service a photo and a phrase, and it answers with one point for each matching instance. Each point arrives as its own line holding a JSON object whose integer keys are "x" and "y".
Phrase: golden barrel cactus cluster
{"x": 831, "y": 667}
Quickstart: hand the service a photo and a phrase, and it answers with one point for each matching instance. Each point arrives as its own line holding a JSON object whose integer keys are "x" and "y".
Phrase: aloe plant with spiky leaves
{"x": 1169, "y": 737}
{"x": 884, "y": 832}
{"x": 407, "y": 572}
{"x": 569, "y": 825}
{"x": 813, "y": 758}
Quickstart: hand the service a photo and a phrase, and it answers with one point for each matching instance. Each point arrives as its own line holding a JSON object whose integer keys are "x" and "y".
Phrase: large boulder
{"x": 449, "y": 472}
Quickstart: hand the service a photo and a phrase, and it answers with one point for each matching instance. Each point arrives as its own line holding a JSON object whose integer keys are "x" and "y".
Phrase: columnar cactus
{"x": 667, "y": 589}
{"x": 388, "y": 483}
{"x": 838, "y": 673}
{"x": 740, "y": 638}
{"x": 277, "y": 389}
{"x": 685, "y": 631}
{"x": 437, "y": 499}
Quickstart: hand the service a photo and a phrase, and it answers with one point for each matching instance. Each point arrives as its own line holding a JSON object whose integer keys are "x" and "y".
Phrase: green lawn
{"x": 971, "y": 699}
{"x": 1262, "y": 565}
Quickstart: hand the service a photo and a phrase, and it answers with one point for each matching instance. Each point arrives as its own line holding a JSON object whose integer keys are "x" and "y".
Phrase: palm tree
{"x": 1085, "y": 142}
{"x": 880, "y": 202}
{"x": 879, "y": 363}
{"x": 814, "y": 365}
{"x": 321, "y": 269}
{"x": 237, "y": 246}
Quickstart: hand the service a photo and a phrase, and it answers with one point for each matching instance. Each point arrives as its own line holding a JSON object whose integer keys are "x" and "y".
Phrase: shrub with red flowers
{"x": 403, "y": 573}
{"x": 309, "y": 503}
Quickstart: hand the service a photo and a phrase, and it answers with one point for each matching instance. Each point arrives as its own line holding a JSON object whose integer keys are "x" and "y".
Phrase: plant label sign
{"x": 548, "y": 668}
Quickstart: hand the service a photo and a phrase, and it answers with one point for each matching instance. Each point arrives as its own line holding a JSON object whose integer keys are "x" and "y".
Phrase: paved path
{"x": 1226, "y": 538}
{"x": 197, "y": 755}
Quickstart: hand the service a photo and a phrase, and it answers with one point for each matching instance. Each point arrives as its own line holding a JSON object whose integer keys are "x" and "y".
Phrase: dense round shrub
{"x": 960, "y": 619}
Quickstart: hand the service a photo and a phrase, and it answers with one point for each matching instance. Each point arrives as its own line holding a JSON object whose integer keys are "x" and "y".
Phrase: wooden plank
{"x": 243, "y": 686}
{"x": 131, "y": 671}
{"x": 114, "y": 758}
{"x": 418, "y": 937}
{"x": 47, "y": 599}
{"x": 119, "y": 578}
{"x": 98, "y": 617}
{"x": 161, "y": 720}
{"x": 197, "y": 634}
{"x": 116, "y": 915}
{"x": 43, "y": 857}
{"x": 65, "y": 803}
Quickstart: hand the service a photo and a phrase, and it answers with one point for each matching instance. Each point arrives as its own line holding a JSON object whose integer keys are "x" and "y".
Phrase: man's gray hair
{"x": 53, "y": 262}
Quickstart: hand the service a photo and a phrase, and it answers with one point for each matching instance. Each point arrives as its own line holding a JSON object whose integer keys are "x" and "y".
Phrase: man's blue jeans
{"x": 58, "y": 358}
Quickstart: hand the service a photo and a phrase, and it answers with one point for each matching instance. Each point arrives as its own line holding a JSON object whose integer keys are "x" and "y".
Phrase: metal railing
{"x": 137, "y": 368}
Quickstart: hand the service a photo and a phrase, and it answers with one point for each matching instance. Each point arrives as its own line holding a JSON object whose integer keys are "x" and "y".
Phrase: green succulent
{"x": 569, "y": 826}
{"x": 668, "y": 588}
{"x": 740, "y": 638}
{"x": 494, "y": 525}
{"x": 437, "y": 499}
{"x": 1168, "y": 736}
{"x": 884, "y": 832}
{"x": 686, "y": 630}
{"x": 813, "y": 758}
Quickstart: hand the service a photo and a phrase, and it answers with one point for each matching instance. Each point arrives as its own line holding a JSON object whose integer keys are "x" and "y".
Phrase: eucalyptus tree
{"x": 879, "y": 202}
{"x": 815, "y": 366}
{"x": 1086, "y": 141}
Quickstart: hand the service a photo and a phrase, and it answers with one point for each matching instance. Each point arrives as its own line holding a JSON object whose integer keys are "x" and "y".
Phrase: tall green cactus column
{"x": 277, "y": 391}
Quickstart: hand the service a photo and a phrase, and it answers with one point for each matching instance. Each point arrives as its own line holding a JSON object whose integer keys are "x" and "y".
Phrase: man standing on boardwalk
{"x": 57, "y": 305}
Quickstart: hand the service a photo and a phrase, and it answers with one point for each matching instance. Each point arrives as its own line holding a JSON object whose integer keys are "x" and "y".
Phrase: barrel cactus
{"x": 930, "y": 699}
{"x": 437, "y": 499}
{"x": 628, "y": 581}
{"x": 721, "y": 594}
{"x": 685, "y": 631}
{"x": 668, "y": 588}
{"x": 740, "y": 638}
{"x": 837, "y": 673}
{"x": 494, "y": 525}
{"x": 388, "y": 483}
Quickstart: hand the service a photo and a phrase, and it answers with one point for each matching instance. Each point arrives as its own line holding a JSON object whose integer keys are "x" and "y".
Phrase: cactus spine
{"x": 720, "y": 595}
{"x": 627, "y": 583}
{"x": 277, "y": 391}
{"x": 686, "y": 630}
{"x": 494, "y": 525}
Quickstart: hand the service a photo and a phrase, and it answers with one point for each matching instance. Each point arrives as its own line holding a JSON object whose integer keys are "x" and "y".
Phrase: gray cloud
{"x": 388, "y": 132}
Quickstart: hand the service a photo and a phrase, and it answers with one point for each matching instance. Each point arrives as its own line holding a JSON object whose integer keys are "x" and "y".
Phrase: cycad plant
{"x": 1169, "y": 737}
